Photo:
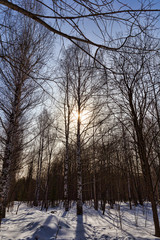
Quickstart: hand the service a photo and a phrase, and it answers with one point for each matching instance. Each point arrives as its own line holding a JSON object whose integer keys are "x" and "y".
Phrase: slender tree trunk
{"x": 95, "y": 191}
{"x": 79, "y": 163}
{"x": 66, "y": 161}
{"x": 66, "y": 166}
{"x": 45, "y": 202}
{"x": 129, "y": 191}
{"x": 29, "y": 181}
{"x": 126, "y": 157}
{"x": 79, "y": 172}
{"x": 94, "y": 175}
{"x": 38, "y": 178}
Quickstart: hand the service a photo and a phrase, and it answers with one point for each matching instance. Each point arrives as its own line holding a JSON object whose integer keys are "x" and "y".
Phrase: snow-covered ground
{"x": 33, "y": 224}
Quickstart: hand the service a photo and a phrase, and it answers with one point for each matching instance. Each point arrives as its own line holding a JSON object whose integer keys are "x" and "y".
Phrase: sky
{"x": 91, "y": 30}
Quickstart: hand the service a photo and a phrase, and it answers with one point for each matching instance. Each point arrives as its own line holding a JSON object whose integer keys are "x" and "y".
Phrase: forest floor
{"x": 33, "y": 224}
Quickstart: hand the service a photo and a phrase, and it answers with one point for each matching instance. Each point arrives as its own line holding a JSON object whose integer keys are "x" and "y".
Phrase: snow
{"x": 33, "y": 224}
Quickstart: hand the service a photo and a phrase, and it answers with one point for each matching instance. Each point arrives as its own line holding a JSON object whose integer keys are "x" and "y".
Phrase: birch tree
{"x": 67, "y": 108}
{"x": 82, "y": 87}
{"x": 45, "y": 143}
{"x": 23, "y": 56}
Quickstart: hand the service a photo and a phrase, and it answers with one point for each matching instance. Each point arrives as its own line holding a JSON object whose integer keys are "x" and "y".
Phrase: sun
{"x": 84, "y": 115}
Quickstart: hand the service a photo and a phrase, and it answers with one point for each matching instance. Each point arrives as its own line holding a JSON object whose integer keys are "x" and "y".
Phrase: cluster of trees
{"x": 101, "y": 139}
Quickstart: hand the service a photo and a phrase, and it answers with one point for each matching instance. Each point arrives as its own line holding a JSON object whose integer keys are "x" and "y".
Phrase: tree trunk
{"x": 145, "y": 165}
{"x": 79, "y": 173}
{"x": 79, "y": 163}
{"x": 95, "y": 191}
{"x": 38, "y": 178}
{"x": 66, "y": 165}
{"x": 66, "y": 161}
{"x": 5, "y": 177}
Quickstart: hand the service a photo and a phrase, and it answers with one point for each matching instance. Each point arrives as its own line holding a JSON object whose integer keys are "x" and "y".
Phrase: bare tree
{"x": 40, "y": 157}
{"x": 80, "y": 86}
{"x": 45, "y": 142}
{"x": 24, "y": 53}
{"x": 67, "y": 108}
{"x": 102, "y": 17}
{"x": 133, "y": 83}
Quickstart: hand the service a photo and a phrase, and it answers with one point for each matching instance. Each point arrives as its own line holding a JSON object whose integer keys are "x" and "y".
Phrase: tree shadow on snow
{"x": 44, "y": 231}
{"x": 80, "y": 229}
{"x": 64, "y": 214}
{"x": 48, "y": 220}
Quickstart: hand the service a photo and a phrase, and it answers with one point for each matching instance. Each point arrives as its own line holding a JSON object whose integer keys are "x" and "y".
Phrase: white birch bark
{"x": 66, "y": 161}
{"x": 79, "y": 164}
{"x": 4, "y": 182}
{"x": 66, "y": 166}
{"x": 9, "y": 158}
{"x": 39, "y": 170}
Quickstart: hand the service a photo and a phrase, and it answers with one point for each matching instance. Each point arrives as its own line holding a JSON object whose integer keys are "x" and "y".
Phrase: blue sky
{"x": 91, "y": 30}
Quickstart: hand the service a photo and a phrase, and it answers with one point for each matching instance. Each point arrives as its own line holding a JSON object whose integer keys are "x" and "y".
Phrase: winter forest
{"x": 79, "y": 119}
